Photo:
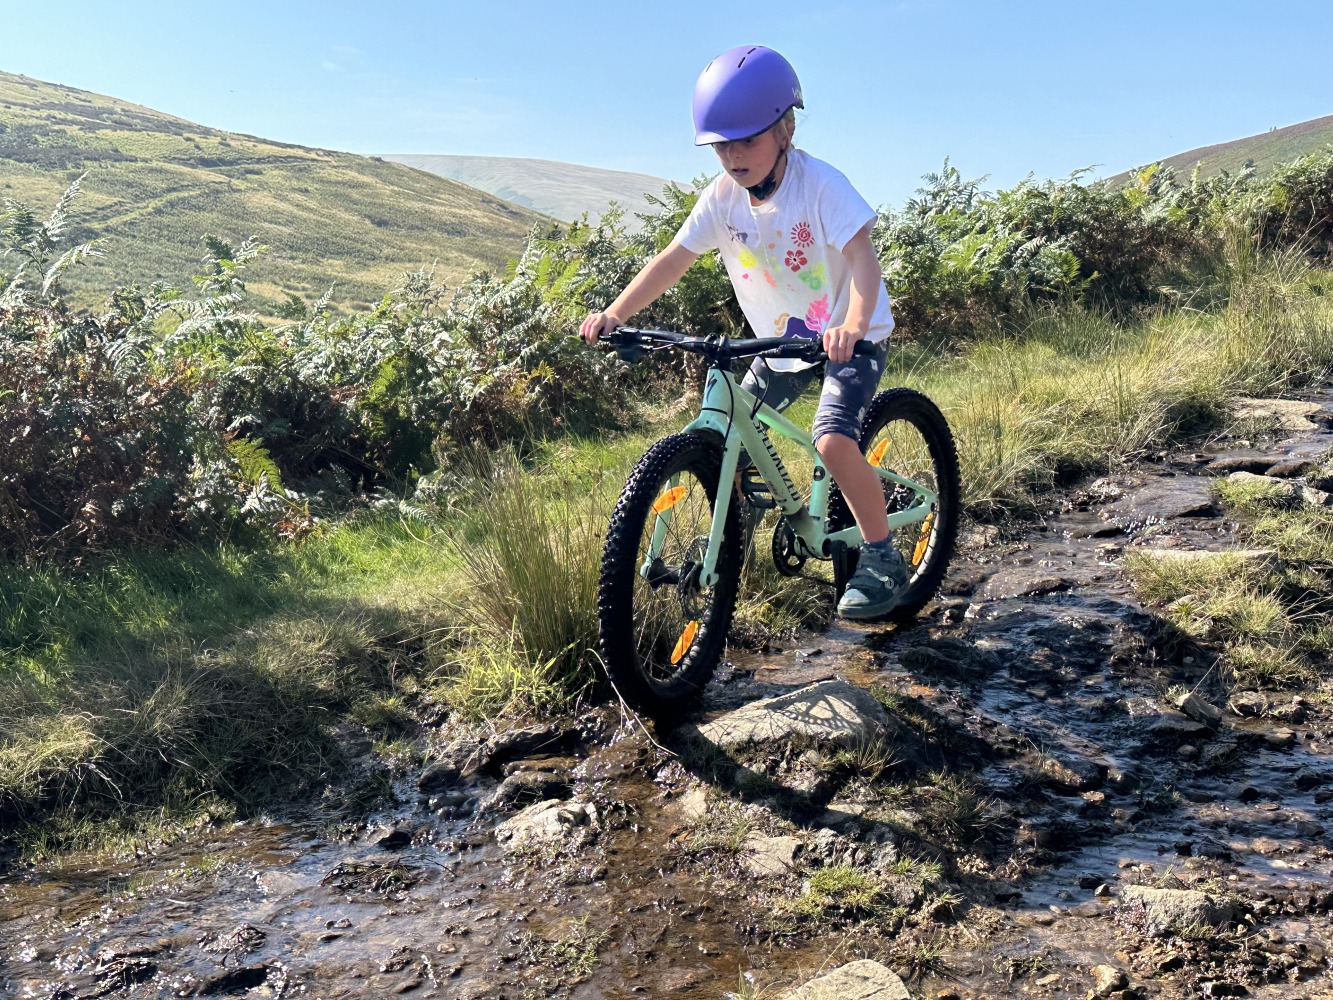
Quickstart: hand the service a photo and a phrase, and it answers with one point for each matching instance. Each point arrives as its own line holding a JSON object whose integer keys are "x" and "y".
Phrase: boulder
{"x": 768, "y": 856}
{"x": 546, "y": 823}
{"x": 1184, "y": 496}
{"x": 439, "y": 776}
{"x": 829, "y": 712}
{"x": 501, "y": 748}
{"x": 1289, "y": 414}
{"x": 863, "y": 980}
{"x": 1162, "y": 912}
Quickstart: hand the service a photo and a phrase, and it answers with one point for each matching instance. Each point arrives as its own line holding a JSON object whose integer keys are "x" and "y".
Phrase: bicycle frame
{"x": 726, "y": 411}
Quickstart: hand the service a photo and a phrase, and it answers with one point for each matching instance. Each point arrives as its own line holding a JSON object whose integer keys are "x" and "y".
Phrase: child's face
{"x": 749, "y": 161}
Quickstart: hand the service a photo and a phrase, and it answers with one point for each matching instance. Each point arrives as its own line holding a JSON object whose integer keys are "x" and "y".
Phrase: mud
{"x": 1043, "y": 772}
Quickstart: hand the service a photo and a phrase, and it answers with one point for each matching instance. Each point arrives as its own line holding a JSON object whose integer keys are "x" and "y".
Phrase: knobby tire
{"x": 892, "y": 413}
{"x": 642, "y": 625}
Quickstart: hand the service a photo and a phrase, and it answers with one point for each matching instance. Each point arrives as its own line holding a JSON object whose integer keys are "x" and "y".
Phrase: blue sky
{"x": 1002, "y": 88}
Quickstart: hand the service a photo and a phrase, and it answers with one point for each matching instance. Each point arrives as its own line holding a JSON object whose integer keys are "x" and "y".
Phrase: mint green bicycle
{"x": 671, "y": 564}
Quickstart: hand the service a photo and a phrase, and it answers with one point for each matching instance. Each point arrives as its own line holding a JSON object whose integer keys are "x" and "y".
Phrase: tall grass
{"x": 524, "y": 618}
{"x": 1072, "y": 391}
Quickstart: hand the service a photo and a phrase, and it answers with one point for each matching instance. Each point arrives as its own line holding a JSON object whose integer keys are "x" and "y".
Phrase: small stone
{"x": 1072, "y": 774}
{"x": 1176, "y": 725}
{"x": 1292, "y": 469}
{"x": 1107, "y": 979}
{"x": 391, "y": 838}
{"x": 1221, "y": 989}
{"x": 1280, "y": 739}
{"x": 1248, "y": 704}
{"x": 1050, "y": 980}
{"x": 1198, "y": 709}
{"x": 1243, "y": 792}
{"x": 438, "y": 777}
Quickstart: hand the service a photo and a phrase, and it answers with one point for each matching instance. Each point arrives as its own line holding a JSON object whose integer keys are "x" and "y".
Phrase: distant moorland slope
{"x": 563, "y": 190}
{"x": 157, "y": 183}
{"x": 1265, "y": 151}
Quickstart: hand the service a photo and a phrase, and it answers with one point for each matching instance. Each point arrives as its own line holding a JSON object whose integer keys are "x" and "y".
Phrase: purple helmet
{"x": 743, "y": 92}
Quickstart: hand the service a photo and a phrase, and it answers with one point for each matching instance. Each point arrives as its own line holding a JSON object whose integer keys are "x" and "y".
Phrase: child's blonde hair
{"x": 785, "y": 128}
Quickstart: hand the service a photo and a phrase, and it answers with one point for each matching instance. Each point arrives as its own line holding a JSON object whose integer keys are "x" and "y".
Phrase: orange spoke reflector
{"x": 877, "y": 456}
{"x": 684, "y": 642}
{"x": 924, "y": 540}
{"x": 669, "y": 499}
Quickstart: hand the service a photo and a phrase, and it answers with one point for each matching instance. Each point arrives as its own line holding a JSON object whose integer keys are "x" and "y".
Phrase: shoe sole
{"x": 868, "y": 612}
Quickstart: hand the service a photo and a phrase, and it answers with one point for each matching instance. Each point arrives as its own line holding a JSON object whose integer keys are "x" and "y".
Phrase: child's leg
{"x": 859, "y": 484}
{"x": 848, "y": 389}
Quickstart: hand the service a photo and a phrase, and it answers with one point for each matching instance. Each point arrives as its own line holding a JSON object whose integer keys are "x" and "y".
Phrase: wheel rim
{"x": 899, "y": 446}
{"x": 670, "y": 605}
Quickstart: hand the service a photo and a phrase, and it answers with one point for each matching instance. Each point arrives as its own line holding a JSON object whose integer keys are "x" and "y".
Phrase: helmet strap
{"x": 765, "y": 188}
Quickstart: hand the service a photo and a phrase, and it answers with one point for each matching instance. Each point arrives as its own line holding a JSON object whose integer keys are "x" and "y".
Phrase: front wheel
{"x": 906, "y": 433}
{"x": 662, "y": 630}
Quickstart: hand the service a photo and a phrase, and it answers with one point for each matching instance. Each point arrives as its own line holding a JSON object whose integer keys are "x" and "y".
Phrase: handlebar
{"x": 631, "y": 342}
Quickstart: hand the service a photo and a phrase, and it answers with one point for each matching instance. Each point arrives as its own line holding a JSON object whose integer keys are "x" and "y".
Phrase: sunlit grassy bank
{"x": 221, "y": 678}
{"x": 1071, "y": 391}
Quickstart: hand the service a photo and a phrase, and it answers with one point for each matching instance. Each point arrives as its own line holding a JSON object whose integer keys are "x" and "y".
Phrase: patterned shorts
{"x": 843, "y": 400}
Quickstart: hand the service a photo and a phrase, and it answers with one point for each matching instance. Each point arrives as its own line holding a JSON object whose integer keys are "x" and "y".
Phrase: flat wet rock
{"x": 832, "y": 711}
{"x": 1164, "y": 500}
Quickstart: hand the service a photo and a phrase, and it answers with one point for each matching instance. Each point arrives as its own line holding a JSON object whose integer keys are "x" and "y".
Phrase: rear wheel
{"x": 662, "y": 630}
{"x": 905, "y": 432}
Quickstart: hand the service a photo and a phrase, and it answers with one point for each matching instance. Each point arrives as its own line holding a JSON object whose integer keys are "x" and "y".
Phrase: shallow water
{"x": 1052, "y": 658}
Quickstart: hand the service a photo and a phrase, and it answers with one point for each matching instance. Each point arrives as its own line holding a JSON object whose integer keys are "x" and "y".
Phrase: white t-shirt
{"x": 784, "y": 256}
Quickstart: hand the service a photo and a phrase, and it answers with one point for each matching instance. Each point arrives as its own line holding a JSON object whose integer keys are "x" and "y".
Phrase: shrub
{"x": 93, "y": 457}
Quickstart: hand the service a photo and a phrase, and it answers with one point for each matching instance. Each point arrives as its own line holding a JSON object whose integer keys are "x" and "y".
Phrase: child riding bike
{"x": 795, "y": 238}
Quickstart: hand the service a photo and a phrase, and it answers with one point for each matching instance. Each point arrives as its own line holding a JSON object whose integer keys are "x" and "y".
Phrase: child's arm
{"x": 866, "y": 282}
{"x": 657, "y": 276}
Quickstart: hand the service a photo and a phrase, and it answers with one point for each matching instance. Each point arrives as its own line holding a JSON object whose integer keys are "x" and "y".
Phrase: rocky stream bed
{"x": 1005, "y": 799}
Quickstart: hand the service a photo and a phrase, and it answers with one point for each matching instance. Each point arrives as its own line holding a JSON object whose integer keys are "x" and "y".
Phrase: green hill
{"x": 1265, "y": 151}
{"x": 157, "y": 183}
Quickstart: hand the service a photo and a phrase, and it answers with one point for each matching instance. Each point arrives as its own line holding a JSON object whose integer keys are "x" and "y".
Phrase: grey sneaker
{"x": 879, "y": 580}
